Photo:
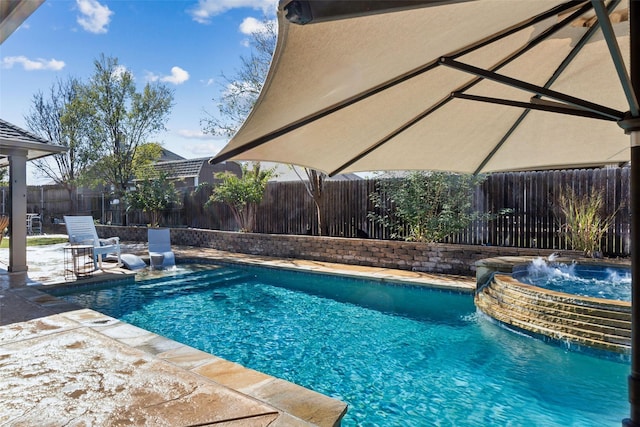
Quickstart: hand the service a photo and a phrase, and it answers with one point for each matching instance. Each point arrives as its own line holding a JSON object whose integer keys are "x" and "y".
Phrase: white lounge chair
{"x": 160, "y": 253}
{"x": 82, "y": 230}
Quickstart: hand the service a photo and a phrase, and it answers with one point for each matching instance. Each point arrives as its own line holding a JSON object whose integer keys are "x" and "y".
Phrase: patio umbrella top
{"x": 400, "y": 91}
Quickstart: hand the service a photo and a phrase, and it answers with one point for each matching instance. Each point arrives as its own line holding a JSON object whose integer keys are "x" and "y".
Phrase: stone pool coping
{"x": 461, "y": 284}
{"x": 182, "y": 383}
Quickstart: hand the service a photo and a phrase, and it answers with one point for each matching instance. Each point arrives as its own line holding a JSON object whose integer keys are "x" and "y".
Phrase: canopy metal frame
{"x": 575, "y": 7}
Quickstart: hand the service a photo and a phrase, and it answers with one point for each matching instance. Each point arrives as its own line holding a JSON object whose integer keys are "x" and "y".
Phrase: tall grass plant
{"x": 583, "y": 220}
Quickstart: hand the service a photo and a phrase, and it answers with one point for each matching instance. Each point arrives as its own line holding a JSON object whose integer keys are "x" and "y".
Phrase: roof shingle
{"x": 188, "y": 168}
{"x": 10, "y": 132}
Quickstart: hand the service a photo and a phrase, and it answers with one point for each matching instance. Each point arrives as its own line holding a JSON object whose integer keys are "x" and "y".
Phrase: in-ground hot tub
{"x": 579, "y": 303}
{"x": 587, "y": 279}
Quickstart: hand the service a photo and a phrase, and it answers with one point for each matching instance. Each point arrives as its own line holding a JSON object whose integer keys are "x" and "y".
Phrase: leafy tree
{"x": 60, "y": 118}
{"x": 240, "y": 94}
{"x": 425, "y": 206}
{"x": 122, "y": 119}
{"x": 144, "y": 160}
{"x": 153, "y": 192}
{"x": 153, "y": 195}
{"x": 242, "y": 193}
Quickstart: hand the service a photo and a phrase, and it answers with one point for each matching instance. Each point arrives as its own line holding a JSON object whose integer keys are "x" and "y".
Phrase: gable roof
{"x": 176, "y": 169}
{"x": 11, "y": 132}
{"x": 166, "y": 156}
{"x": 13, "y": 138}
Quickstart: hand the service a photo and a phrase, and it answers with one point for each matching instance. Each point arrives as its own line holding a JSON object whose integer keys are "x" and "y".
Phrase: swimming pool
{"x": 398, "y": 355}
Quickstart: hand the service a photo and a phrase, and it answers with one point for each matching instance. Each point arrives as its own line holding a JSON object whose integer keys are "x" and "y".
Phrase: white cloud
{"x": 177, "y": 76}
{"x": 193, "y": 143}
{"x": 32, "y": 64}
{"x": 240, "y": 88}
{"x": 119, "y": 71}
{"x": 195, "y": 134}
{"x": 94, "y": 16}
{"x": 207, "y": 148}
{"x": 206, "y": 9}
{"x": 252, "y": 25}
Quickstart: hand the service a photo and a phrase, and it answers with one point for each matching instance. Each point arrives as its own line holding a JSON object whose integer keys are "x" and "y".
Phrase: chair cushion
{"x": 109, "y": 241}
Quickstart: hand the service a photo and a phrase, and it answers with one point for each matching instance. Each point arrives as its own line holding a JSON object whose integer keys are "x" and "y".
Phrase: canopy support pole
{"x": 634, "y": 377}
{"x": 634, "y": 131}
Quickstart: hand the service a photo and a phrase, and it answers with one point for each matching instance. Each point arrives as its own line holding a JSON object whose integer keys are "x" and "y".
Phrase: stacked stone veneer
{"x": 436, "y": 258}
{"x": 589, "y": 322}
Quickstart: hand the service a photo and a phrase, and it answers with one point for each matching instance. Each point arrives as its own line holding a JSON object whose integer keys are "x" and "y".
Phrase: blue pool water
{"x": 399, "y": 356}
{"x": 578, "y": 279}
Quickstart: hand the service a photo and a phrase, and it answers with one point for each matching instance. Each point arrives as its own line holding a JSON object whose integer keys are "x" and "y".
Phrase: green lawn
{"x": 37, "y": 241}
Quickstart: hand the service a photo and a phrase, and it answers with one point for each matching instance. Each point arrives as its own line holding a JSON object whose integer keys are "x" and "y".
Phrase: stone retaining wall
{"x": 434, "y": 258}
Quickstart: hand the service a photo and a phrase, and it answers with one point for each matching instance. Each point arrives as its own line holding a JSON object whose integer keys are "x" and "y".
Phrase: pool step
{"x": 561, "y": 322}
{"x": 198, "y": 280}
{"x": 589, "y": 324}
{"x": 609, "y": 308}
{"x": 592, "y": 322}
{"x": 506, "y": 317}
{"x": 579, "y": 311}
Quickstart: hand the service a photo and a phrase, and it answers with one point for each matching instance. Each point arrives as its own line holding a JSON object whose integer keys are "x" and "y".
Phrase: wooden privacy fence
{"x": 531, "y": 198}
{"x": 534, "y": 218}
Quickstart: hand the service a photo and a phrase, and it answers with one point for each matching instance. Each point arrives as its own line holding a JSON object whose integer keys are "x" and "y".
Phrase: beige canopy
{"x": 373, "y": 92}
{"x": 13, "y": 13}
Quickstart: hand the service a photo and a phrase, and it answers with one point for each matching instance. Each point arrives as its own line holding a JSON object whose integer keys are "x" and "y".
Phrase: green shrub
{"x": 426, "y": 206}
{"x": 243, "y": 193}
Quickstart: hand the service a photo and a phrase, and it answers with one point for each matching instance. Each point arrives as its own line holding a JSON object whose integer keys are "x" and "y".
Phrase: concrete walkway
{"x": 62, "y": 365}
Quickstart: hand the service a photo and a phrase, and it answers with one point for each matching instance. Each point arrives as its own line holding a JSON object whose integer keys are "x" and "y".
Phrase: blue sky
{"x": 185, "y": 44}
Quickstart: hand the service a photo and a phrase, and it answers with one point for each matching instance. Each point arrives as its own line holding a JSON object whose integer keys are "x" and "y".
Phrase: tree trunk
{"x": 316, "y": 191}
{"x": 73, "y": 198}
{"x": 321, "y": 212}
{"x": 319, "y": 216}
{"x": 237, "y": 214}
